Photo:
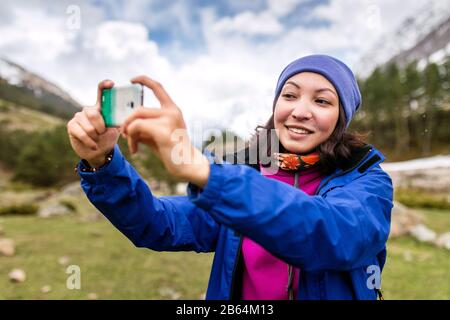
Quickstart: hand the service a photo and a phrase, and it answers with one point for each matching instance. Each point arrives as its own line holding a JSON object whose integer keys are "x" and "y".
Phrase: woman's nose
{"x": 301, "y": 111}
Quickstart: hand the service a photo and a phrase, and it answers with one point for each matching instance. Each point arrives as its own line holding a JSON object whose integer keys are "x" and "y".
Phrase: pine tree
{"x": 399, "y": 114}
{"x": 432, "y": 89}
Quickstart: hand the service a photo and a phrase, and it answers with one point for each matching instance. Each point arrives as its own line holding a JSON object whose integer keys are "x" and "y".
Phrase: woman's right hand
{"x": 89, "y": 137}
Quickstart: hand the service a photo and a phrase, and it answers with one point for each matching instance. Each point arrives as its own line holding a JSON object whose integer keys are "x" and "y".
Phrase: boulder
{"x": 92, "y": 296}
{"x": 443, "y": 241}
{"x": 422, "y": 233}
{"x": 17, "y": 275}
{"x": 169, "y": 293}
{"x": 64, "y": 260}
{"x": 46, "y": 289}
{"x": 432, "y": 174}
{"x": 72, "y": 189}
{"x": 402, "y": 219}
{"x": 53, "y": 209}
{"x": 7, "y": 247}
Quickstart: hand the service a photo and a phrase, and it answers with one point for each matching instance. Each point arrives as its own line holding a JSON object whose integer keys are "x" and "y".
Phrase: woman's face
{"x": 306, "y": 112}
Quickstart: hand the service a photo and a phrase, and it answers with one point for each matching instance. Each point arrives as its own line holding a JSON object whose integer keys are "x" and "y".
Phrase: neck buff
{"x": 295, "y": 162}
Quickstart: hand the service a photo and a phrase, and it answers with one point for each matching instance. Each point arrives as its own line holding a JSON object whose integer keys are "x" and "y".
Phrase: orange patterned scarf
{"x": 294, "y": 162}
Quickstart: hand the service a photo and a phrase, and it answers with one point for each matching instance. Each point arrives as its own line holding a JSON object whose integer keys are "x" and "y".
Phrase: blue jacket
{"x": 337, "y": 237}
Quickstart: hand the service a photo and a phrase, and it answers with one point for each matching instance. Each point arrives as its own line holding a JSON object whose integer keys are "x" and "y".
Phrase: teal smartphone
{"x": 119, "y": 102}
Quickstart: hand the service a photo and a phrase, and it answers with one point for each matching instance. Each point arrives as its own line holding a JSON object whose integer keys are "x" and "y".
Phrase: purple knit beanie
{"x": 337, "y": 72}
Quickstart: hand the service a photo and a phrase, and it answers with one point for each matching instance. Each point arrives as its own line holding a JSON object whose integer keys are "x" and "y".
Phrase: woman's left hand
{"x": 164, "y": 131}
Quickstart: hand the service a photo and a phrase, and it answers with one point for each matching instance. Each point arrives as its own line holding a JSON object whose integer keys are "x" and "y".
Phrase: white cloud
{"x": 282, "y": 7}
{"x": 264, "y": 22}
{"x": 230, "y": 83}
{"x": 220, "y": 88}
{"x": 114, "y": 50}
{"x": 249, "y": 23}
{"x": 34, "y": 36}
{"x": 119, "y": 41}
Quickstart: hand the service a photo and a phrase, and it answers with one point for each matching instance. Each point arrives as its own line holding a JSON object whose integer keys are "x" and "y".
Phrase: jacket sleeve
{"x": 342, "y": 229}
{"x": 169, "y": 223}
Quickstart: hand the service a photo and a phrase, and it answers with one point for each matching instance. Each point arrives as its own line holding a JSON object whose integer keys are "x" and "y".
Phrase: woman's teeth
{"x": 297, "y": 130}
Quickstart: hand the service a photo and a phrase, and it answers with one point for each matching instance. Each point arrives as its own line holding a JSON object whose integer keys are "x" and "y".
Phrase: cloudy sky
{"x": 218, "y": 59}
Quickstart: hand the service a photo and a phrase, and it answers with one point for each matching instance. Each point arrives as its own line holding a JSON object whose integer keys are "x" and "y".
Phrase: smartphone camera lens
{"x": 131, "y": 104}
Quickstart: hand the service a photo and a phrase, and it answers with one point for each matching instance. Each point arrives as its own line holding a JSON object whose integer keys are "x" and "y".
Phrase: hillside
{"x": 23, "y": 87}
{"x": 14, "y": 117}
{"x": 33, "y": 147}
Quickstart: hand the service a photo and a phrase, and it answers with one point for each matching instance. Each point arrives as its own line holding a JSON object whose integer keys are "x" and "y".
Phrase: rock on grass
{"x": 422, "y": 233}
{"x": 7, "y": 247}
{"x": 17, "y": 275}
{"x": 443, "y": 241}
{"x": 46, "y": 289}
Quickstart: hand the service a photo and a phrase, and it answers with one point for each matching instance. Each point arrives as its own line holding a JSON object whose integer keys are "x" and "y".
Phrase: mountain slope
{"x": 14, "y": 117}
{"x": 23, "y": 87}
{"x": 423, "y": 37}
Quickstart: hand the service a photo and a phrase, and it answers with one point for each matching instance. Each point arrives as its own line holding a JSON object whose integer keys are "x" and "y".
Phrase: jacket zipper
{"x": 236, "y": 261}
{"x": 289, "y": 287}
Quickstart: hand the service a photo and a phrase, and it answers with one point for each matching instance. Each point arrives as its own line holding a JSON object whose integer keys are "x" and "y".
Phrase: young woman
{"x": 314, "y": 229}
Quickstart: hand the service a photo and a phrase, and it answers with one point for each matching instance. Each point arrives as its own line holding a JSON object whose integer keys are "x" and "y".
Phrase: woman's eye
{"x": 288, "y": 96}
{"x": 322, "y": 101}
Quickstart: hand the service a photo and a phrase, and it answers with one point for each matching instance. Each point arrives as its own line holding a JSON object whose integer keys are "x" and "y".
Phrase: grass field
{"x": 112, "y": 268}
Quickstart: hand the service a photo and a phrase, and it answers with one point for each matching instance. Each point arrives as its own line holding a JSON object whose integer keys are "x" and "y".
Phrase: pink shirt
{"x": 265, "y": 276}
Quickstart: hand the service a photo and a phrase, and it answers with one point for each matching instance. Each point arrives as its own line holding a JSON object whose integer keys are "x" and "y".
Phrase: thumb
{"x": 105, "y": 84}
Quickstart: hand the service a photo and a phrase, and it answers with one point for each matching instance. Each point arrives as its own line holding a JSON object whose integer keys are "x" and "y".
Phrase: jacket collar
{"x": 363, "y": 158}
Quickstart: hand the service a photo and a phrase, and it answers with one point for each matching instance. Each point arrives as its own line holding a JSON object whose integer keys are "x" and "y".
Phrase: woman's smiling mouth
{"x": 298, "y": 131}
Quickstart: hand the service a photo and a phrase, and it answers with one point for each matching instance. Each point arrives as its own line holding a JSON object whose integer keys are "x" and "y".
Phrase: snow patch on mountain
{"x": 425, "y": 35}
{"x": 16, "y": 75}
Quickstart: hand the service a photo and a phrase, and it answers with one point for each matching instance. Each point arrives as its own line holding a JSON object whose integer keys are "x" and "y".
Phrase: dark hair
{"x": 333, "y": 152}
